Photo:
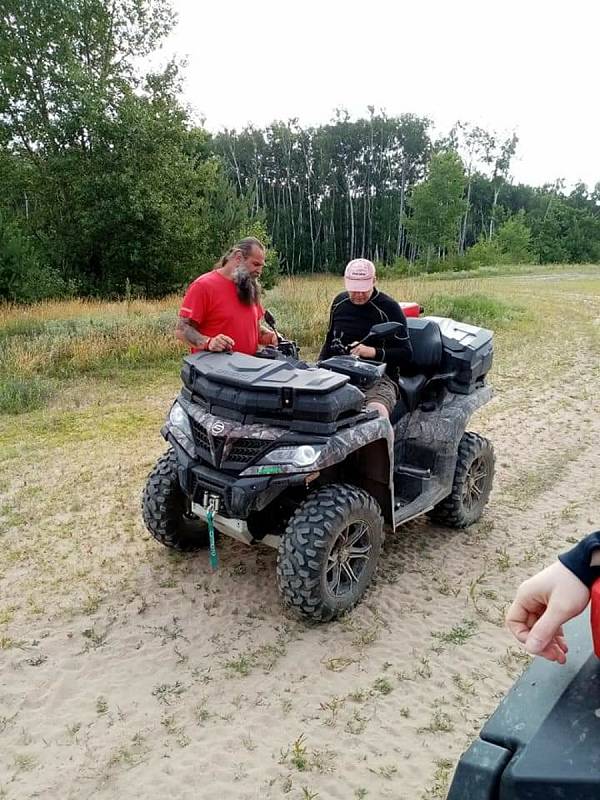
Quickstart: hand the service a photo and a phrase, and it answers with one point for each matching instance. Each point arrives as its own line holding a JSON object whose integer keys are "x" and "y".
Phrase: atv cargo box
{"x": 249, "y": 388}
{"x": 467, "y": 352}
{"x": 462, "y": 353}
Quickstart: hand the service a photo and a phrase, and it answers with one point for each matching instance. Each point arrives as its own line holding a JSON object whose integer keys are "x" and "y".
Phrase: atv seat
{"x": 426, "y": 340}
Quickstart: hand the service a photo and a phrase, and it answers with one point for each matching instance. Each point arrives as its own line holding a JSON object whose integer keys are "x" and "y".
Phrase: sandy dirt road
{"x": 129, "y": 672}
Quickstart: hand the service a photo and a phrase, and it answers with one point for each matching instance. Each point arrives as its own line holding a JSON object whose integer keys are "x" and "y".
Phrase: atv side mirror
{"x": 384, "y": 329}
{"x": 269, "y": 318}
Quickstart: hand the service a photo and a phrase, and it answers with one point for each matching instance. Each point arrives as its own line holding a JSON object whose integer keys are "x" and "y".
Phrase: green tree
{"x": 514, "y": 240}
{"x": 104, "y": 172}
{"x": 437, "y": 206}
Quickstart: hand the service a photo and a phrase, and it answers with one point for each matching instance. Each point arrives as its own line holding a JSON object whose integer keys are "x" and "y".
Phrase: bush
{"x": 485, "y": 253}
{"x": 475, "y": 309}
{"x": 399, "y": 268}
{"x": 511, "y": 245}
{"x": 23, "y": 279}
{"x": 514, "y": 240}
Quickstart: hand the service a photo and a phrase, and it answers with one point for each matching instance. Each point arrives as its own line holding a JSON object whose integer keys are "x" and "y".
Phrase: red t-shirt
{"x": 211, "y": 301}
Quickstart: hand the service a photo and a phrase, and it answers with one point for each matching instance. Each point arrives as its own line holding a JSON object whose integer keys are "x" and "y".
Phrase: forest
{"x": 111, "y": 187}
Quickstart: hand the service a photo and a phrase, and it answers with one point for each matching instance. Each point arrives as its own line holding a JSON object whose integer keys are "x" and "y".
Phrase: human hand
{"x": 542, "y": 604}
{"x": 268, "y": 338}
{"x": 220, "y": 342}
{"x": 362, "y": 350}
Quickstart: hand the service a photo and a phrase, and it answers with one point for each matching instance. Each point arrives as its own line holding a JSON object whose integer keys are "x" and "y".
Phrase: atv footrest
{"x": 415, "y": 472}
{"x": 410, "y": 482}
{"x": 430, "y": 495}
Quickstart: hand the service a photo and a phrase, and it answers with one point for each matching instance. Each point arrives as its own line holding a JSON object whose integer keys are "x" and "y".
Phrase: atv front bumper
{"x": 237, "y": 497}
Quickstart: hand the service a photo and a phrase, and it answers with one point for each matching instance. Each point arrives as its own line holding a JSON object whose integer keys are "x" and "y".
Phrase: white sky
{"x": 529, "y": 66}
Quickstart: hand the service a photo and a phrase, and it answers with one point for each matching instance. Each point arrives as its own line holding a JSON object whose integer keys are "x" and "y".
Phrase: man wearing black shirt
{"x": 352, "y": 315}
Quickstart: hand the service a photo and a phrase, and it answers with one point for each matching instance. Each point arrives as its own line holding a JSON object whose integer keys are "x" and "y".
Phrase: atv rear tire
{"x": 472, "y": 484}
{"x": 329, "y": 551}
{"x": 166, "y": 511}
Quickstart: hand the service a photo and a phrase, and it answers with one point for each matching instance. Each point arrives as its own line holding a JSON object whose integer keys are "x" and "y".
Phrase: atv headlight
{"x": 179, "y": 418}
{"x": 303, "y": 456}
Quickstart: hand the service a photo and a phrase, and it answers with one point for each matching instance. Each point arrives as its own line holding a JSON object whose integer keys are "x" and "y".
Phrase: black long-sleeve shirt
{"x": 578, "y": 559}
{"x": 349, "y": 323}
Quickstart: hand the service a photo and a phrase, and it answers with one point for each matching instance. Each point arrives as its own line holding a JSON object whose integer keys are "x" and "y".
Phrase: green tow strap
{"x": 214, "y": 558}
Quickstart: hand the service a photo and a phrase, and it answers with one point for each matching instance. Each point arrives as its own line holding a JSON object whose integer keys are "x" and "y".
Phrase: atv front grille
{"x": 228, "y": 453}
{"x": 245, "y": 450}
{"x": 200, "y": 435}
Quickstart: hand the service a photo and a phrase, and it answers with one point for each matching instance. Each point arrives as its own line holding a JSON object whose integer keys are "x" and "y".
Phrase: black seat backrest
{"x": 426, "y": 340}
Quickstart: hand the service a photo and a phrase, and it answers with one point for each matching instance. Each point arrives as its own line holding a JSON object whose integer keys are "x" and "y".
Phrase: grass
{"x": 458, "y": 634}
{"x": 45, "y": 344}
{"x": 477, "y": 309}
{"x": 441, "y": 722}
{"x": 20, "y": 395}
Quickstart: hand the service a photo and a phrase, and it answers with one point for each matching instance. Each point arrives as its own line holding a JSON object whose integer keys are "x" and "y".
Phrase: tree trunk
{"x": 463, "y": 232}
{"x": 493, "y": 212}
{"x": 401, "y": 213}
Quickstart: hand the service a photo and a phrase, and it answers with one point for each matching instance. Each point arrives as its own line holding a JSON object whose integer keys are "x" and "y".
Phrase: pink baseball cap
{"x": 359, "y": 275}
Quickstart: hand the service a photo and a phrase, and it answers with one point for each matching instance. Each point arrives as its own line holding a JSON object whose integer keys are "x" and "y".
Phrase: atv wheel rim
{"x": 475, "y": 483}
{"x": 348, "y": 558}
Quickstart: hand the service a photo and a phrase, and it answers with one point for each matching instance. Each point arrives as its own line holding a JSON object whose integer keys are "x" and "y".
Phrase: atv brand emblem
{"x": 217, "y": 428}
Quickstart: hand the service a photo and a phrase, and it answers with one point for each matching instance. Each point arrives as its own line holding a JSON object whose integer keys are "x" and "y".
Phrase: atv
{"x": 270, "y": 449}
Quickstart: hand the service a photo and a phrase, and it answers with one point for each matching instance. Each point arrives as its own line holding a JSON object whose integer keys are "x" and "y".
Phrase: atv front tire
{"x": 166, "y": 510}
{"x": 472, "y": 483}
{"x": 329, "y": 551}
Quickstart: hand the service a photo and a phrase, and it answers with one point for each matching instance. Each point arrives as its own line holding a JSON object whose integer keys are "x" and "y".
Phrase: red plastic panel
{"x": 595, "y": 617}
{"x": 411, "y": 309}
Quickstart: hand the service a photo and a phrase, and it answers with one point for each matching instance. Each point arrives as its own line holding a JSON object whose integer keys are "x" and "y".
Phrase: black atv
{"x": 272, "y": 450}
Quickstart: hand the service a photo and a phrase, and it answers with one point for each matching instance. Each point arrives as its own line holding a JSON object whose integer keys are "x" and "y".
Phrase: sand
{"x": 132, "y": 673}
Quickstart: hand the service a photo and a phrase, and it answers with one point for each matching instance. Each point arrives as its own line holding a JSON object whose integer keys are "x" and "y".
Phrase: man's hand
{"x": 541, "y": 606}
{"x": 220, "y": 343}
{"x": 267, "y": 337}
{"x": 362, "y": 350}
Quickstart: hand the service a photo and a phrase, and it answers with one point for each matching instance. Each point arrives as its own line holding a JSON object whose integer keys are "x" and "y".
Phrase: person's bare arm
{"x": 266, "y": 335}
{"x": 188, "y": 332}
{"x": 542, "y": 605}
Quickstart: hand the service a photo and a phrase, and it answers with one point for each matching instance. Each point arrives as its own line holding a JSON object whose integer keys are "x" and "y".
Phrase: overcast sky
{"x": 528, "y": 66}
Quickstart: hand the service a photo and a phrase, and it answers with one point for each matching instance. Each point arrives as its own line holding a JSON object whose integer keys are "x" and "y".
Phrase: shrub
{"x": 514, "y": 240}
{"x": 23, "y": 278}
{"x": 475, "y": 309}
{"x": 484, "y": 253}
{"x": 399, "y": 268}
{"x": 511, "y": 245}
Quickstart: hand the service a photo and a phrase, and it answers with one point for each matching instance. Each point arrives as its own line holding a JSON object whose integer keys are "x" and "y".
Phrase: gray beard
{"x": 247, "y": 286}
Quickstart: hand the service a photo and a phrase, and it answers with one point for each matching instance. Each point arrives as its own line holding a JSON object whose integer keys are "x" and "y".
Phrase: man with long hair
{"x": 221, "y": 309}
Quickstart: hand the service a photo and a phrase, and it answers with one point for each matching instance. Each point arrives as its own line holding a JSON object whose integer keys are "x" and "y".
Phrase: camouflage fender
{"x": 438, "y": 431}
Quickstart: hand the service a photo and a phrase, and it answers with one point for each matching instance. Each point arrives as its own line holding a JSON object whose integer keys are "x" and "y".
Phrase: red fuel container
{"x": 411, "y": 309}
{"x": 595, "y": 617}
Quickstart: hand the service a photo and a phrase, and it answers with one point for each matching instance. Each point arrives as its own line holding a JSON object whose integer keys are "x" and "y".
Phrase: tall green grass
{"x": 476, "y": 309}
{"x": 38, "y": 352}
{"x": 19, "y": 395}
